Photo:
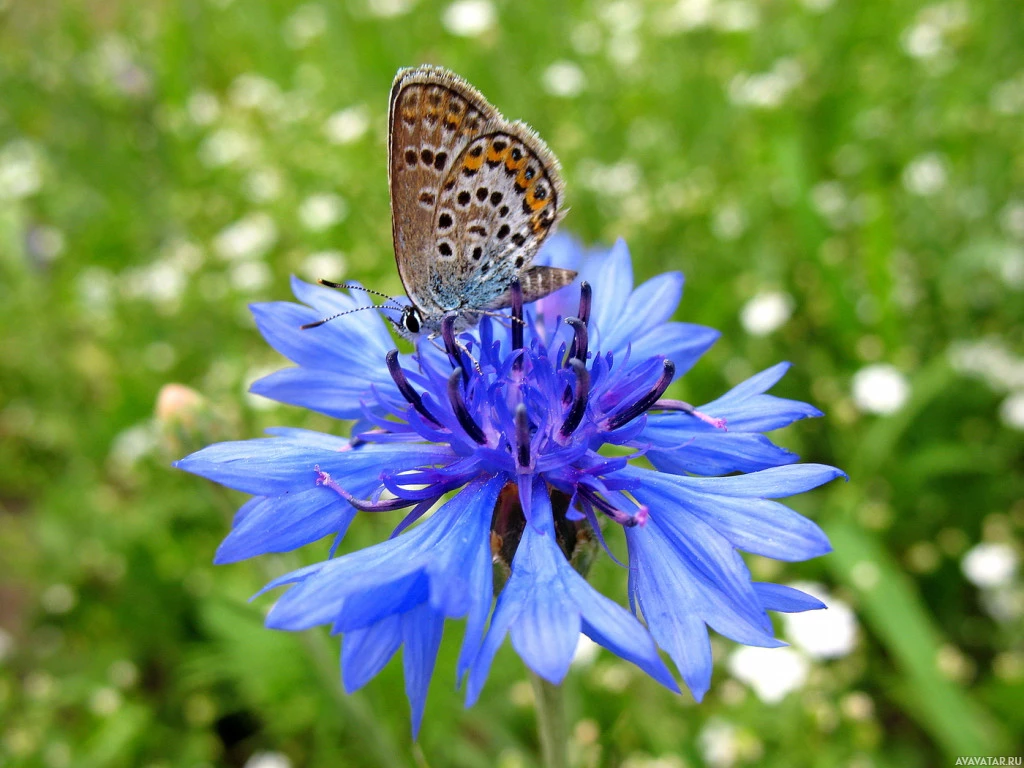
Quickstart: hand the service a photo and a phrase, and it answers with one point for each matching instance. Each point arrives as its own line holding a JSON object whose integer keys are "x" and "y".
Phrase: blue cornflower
{"x": 500, "y": 433}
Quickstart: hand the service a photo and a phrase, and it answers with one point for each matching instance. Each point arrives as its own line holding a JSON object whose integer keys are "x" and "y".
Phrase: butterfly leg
{"x": 432, "y": 338}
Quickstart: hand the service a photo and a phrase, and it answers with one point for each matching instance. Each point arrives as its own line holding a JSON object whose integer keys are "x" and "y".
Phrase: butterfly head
{"x": 410, "y": 323}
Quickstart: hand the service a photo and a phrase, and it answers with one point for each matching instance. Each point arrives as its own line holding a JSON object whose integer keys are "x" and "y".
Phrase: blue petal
{"x": 718, "y": 453}
{"x": 745, "y": 408}
{"x": 421, "y": 631}
{"x": 429, "y": 562}
{"x": 708, "y": 559}
{"x": 283, "y": 523}
{"x": 735, "y": 507}
{"x": 365, "y": 652}
{"x": 611, "y": 276}
{"x": 682, "y": 343}
{"x": 778, "y": 597}
{"x": 647, "y": 308}
{"x": 275, "y": 466}
{"x": 544, "y": 606}
{"x": 335, "y": 394}
{"x": 768, "y": 483}
{"x": 660, "y": 593}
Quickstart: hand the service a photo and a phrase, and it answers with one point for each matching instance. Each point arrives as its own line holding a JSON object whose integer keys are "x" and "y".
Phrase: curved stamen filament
{"x": 363, "y": 505}
{"x": 679, "y": 405}
{"x": 580, "y": 399}
{"x": 644, "y": 403}
{"x": 637, "y": 518}
{"x": 452, "y": 345}
{"x": 410, "y": 394}
{"x": 580, "y": 341}
{"x": 461, "y": 411}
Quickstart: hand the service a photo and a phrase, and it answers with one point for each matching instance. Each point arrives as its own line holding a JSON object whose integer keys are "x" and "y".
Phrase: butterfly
{"x": 473, "y": 197}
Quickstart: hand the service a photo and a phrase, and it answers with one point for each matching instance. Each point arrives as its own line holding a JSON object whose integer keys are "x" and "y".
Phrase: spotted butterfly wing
{"x": 472, "y": 198}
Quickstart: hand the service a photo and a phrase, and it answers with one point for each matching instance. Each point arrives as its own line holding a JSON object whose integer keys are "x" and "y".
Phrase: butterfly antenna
{"x": 331, "y": 284}
{"x": 318, "y": 323}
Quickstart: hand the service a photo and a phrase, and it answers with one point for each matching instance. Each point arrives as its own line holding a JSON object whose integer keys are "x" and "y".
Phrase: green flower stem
{"x": 551, "y": 725}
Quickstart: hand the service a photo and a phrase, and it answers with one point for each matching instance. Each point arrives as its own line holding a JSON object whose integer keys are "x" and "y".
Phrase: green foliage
{"x": 162, "y": 164}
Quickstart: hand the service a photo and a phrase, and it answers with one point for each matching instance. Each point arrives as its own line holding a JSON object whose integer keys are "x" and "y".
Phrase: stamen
{"x": 517, "y": 314}
{"x": 644, "y": 403}
{"x": 579, "y": 403}
{"x": 363, "y": 505}
{"x": 586, "y": 295}
{"x": 522, "y": 419}
{"x": 410, "y": 394}
{"x": 461, "y": 412}
{"x": 452, "y": 345}
{"x": 679, "y": 405}
{"x": 581, "y": 339}
{"x": 628, "y": 521}
{"x": 415, "y": 514}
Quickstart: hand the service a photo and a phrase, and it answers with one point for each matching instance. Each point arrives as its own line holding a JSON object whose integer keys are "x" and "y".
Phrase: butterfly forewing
{"x": 433, "y": 116}
{"x": 498, "y": 202}
{"x": 472, "y": 198}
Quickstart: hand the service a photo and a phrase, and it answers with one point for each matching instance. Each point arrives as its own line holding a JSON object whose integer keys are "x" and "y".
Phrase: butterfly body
{"x": 473, "y": 196}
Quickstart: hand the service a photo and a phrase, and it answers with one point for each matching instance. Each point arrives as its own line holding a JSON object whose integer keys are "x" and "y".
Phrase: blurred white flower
{"x": 58, "y": 598}
{"x": 616, "y": 180}
{"x": 225, "y": 147}
{"x": 268, "y": 760}
{"x": 132, "y": 444}
{"x": 880, "y": 388}
{"x": 771, "y": 672}
{"x": 162, "y": 282}
{"x": 564, "y": 78}
{"x": 387, "y": 9}
{"x": 729, "y": 222}
{"x": 926, "y": 38}
{"x": 829, "y": 633}
{"x": 830, "y": 200}
{"x": 322, "y": 211}
{"x": 263, "y": 185}
{"x": 251, "y": 276}
{"x": 734, "y": 16}
{"x": 766, "y": 90}
{"x": 719, "y": 743}
{"x": 990, "y": 565}
{"x": 347, "y": 125}
{"x": 1011, "y": 412}
{"x": 1007, "y": 97}
{"x": 248, "y": 238}
{"x": 1011, "y": 218}
{"x": 105, "y": 701}
{"x": 326, "y": 264}
{"x": 252, "y": 91}
{"x": 308, "y": 22}
{"x": 991, "y": 360}
{"x": 925, "y": 175}
{"x": 468, "y": 18}
{"x": 766, "y": 312}
{"x": 203, "y": 108}
{"x": 21, "y": 170}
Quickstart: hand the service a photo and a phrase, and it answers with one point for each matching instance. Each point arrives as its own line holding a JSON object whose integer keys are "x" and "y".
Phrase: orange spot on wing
{"x": 473, "y": 163}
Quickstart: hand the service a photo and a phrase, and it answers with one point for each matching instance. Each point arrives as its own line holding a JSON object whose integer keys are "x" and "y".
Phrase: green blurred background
{"x": 843, "y": 185}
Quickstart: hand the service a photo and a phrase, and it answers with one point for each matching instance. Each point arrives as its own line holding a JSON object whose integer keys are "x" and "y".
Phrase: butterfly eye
{"x": 411, "y": 320}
